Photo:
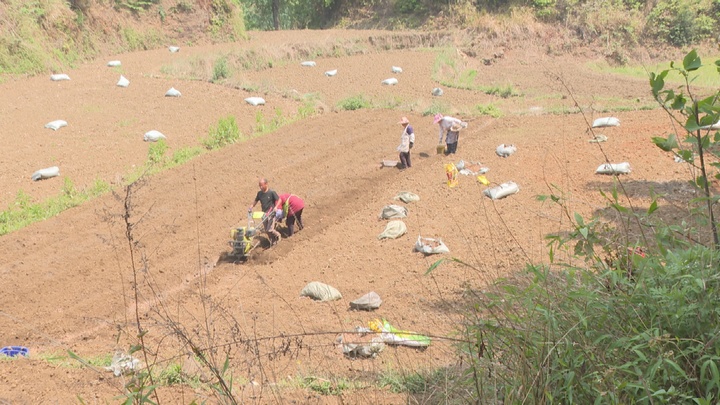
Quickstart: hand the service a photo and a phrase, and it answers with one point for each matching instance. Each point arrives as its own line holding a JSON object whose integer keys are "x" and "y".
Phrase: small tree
{"x": 699, "y": 120}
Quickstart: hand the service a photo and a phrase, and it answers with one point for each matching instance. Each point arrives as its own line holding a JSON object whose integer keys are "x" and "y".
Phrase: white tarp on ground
{"x": 407, "y": 197}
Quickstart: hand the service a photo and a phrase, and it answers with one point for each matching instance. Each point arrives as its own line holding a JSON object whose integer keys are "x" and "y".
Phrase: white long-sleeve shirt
{"x": 445, "y": 124}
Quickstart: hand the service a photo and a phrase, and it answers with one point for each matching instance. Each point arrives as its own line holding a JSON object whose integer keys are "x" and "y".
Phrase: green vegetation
{"x": 488, "y": 109}
{"x": 352, "y": 103}
{"x": 23, "y": 211}
{"x": 436, "y": 107}
{"x": 264, "y": 125}
{"x": 706, "y": 76}
{"x": 451, "y": 71}
{"x": 226, "y": 132}
{"x": 220, "y": 69}
{"x": 326, "y": 387}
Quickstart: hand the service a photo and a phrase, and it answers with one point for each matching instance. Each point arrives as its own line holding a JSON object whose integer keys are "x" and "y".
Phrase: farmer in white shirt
{"x": 446, "y": 123}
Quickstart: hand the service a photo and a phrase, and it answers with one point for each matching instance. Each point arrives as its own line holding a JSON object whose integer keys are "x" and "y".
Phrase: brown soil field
{"x": 68, "y": 282}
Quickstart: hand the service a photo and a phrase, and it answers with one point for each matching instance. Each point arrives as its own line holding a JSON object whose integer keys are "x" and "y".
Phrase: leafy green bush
{"x": 354, "y": 103}
{"x": 182, "y": 155}
{"x": 156, "y": 152}
{"x": 221, "y": 69}
{"x": 224, "y": 133}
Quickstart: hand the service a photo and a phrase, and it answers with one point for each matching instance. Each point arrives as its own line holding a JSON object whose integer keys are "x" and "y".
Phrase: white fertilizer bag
{"x": 153, "y": 136}
{"x": 430, "y": 246}
{"x": 396, "y": 69}
{"x": 331, "y": 73}
{"x": 505, "y": 150}
{"x": 606, "y": 122}
{"x": 255, "y": 101}
{"x": 393, "y": 230}
{"x": 46, "y": 173}
{"x": 502, "y": 190}
{"x": 393, "y": 212}
{"x": 55, "y": 125}
{"x": 59, "y": 77}
{"x": 407, "y": 197}
{"x": 123, "y": 82}
{"x": 308, "y": 63}
{"x": 437, "y": 92}
{"x": 320, "y": 292}
{"x": 613, "y": 168}
{"x": 172, "y": 93}
{"x": 173, "y": 49}
{"x": 390, "y": 82}
{"x": 114, "y": 63}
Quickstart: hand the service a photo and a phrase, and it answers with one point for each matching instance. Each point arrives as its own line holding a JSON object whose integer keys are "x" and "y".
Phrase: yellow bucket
{"x": 440, "y": 149}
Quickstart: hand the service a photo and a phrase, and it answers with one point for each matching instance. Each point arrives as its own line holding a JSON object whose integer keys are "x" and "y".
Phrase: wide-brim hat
{"x": 438, "y": 117}
{"x": 404, "y": 121}
{"x": 456, "y": 127}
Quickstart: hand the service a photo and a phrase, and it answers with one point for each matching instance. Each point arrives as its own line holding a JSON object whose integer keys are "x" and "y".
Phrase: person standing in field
{"x": 407, "y": 141}
{"x": 268, "y": 199}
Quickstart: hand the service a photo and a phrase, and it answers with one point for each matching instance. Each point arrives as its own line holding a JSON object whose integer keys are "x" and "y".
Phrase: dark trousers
{"x": 297, "y": 216}
{"x": 451, "y": 148}
{"x": 405, "y": 159}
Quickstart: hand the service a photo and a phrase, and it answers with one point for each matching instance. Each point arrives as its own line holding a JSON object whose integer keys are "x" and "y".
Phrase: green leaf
{"x": 686, "y": 155}
{"x": 579, "y": 219}
{"x": 134, "y": 348}
{"x": 653, "y": 207}
{"x": 657, "y": 82}
{"x": 678, "y": 102}
{"x": 692, "y": 61}
{"x": 434, "y": 266}
{"x": 666, "y": 144}
{"x": 584, "y": 232}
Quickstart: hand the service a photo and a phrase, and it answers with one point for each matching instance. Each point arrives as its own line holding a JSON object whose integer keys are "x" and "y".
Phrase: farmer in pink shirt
{"x": 292, "y": 207}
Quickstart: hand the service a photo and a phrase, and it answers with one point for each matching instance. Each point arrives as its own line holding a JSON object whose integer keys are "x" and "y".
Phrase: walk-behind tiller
{"x": 244, "y": 238}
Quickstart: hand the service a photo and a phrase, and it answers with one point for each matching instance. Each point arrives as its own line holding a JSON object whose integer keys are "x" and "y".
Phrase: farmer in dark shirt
{"x": 268, "y": 199}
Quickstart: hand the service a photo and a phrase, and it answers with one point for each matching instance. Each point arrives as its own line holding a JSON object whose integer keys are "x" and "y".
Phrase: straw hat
{"x": 404, "y": 121}
{"x": 456, "y": 127}
{"x": 438, "y": 117}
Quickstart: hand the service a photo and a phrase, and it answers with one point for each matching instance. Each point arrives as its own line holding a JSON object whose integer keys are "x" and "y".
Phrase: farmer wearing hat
{"x": 450, "y": 126}
{"x": 407, "y": 140}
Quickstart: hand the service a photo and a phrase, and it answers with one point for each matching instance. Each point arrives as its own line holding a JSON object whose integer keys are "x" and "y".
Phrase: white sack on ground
{"x": 390, "y": 82}
{"x": 393, "y": 212}
{"x": 114, "y": 63}
{"x": 367, "y": 302}
{"x": 320, "y": 292}
{"x": 55, "y": 125}
{"x": 308, "y": 63}
{"x": 123, "y": 82}
{"x": 613, "y": 168}
{"x": 173, "y": 49}
{"x": 502, "y": 190}
{"x": 606, "y": 122}
{"x": 407, "y": 197}
{"x": 123, "y": 364}
{"x": 255, "y": 101}
{"x": 172, "y": 93}
{"x": 153, "y": 136}
{"x": 331, "y": 73}
{"x": 430, "y": 246}
{"x": 46, "y": 173}
{"x": 393, "y": 230}
{"x": 59, "y": 77}
{"x": 437, "y": 91}
{"x": 396, "y": 69}
{"x": 505, "y": 150}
